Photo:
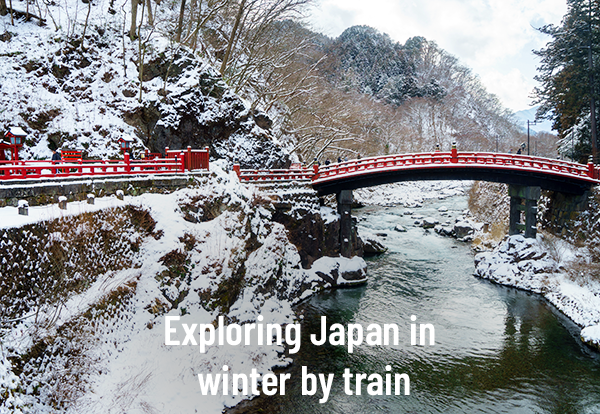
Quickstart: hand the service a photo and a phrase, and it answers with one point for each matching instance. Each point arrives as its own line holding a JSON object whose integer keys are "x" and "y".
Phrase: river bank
{"x": 539, "y": 265}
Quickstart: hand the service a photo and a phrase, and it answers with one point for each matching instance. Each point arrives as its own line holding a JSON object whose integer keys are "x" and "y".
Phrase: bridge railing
{"x": 13, "y": 170}
{"x": 427, "y": 160}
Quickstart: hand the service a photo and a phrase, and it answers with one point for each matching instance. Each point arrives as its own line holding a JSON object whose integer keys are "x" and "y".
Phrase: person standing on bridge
{"x": 56, "y": 155}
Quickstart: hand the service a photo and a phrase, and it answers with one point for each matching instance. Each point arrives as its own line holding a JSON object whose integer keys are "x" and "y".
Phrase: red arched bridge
{"x": 525, "y": 175}
{"x": 513, "y": 169}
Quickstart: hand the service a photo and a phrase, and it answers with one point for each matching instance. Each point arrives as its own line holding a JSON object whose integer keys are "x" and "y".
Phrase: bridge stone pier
{"x": 523, "y": 204}
{"x": 344, "y": 208}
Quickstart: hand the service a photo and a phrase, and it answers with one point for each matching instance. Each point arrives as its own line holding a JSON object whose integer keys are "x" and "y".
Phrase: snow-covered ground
{"x": 410, "y": 193}
{"x": 539, "y": 265}
{"x": 128, "y": 367}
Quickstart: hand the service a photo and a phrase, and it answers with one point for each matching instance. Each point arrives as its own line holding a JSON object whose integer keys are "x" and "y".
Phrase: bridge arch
{"x": 526, "y": 176}
{"x": 519, "y": 170}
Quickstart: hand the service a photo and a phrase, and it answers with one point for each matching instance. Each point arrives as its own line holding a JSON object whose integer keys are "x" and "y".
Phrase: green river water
{"x": 497, "y": 349}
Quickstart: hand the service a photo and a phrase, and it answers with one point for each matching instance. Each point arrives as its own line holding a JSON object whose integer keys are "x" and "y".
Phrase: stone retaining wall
{"x": 47, "y": 191}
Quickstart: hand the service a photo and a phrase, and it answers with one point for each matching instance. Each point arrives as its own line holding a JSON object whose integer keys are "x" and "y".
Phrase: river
{"x": 497, "y": 349}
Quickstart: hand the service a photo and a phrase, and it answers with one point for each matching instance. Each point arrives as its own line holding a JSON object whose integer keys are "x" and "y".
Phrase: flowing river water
{"x": 497, "y": 349}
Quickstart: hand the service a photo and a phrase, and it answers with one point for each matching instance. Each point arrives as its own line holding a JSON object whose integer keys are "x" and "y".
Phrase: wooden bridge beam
{"x": 523, "y": 199}
{"x": 344, "y": 207}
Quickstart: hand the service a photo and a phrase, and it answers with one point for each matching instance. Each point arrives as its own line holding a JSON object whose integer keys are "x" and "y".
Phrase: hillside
{"x": 368, "y": 94}
{"x": 85, "y": 94}
{"x": 81, "y": 82}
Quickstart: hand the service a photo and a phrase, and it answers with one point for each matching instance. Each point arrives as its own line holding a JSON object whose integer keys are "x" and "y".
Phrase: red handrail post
{"x": 189, "y": 158}
{"x": 315, "y": 171}
{"x": 591, "y": 167}
{"x": 182, "y": 161}
{"x": 207, "y": 159}
{"x": 127, "y": 163}
{"x": 236, "y": 169}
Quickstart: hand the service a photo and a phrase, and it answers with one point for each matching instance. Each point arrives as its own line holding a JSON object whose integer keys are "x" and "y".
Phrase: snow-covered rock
{"x": 341, "y": 271}
{"x": 591, "y": 336}
{"x": 526, "y": 264}
{"x": 463, "y": 229}
{"x": 372, "y": 245}
{"x": 430, "y": 222}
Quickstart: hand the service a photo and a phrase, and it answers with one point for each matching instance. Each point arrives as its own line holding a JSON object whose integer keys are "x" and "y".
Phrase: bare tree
{"x": 251, "y": 24}
{"x": 180, "y": 22}
{"x": 133, "y": 27}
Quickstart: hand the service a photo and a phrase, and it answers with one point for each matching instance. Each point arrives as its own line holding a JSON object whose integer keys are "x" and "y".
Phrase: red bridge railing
{"x": 462, "y": 159}
{"x": 452, "y": 159}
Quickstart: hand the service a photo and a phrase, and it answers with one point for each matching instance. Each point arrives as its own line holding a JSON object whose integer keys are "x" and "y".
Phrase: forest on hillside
{"x": 359, "y": 94}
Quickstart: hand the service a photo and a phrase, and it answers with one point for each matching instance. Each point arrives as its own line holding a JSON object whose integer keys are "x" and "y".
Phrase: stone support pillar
{"x": 523, "y": 206}
{"x": 344, "y": 207}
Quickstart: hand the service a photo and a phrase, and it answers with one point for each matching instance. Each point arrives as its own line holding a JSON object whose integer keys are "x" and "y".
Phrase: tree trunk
{"x": 150, "y": 14}
{"x": 180, "y": 22}
{"x": 3, "y": 9}
{"x": 238, "y": 19}
{"x": 87, "y": 17}
{"x": 134, "y": 6}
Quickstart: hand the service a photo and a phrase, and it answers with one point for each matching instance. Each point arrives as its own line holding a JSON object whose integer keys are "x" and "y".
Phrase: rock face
{"x": 206, "y": 114}
{"x": 518, "y": 262}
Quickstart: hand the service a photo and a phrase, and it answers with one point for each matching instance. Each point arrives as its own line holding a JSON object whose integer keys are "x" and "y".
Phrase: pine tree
{"x": 569, "y": 77}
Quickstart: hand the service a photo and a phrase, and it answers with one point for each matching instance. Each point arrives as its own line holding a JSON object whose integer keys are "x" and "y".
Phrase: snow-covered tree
{"x": 569, "y": 74}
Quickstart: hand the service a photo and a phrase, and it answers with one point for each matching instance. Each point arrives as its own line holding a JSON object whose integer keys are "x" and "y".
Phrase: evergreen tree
{"x": 569, "y": 74}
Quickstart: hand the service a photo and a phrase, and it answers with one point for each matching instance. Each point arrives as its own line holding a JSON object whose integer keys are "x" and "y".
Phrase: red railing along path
{"x": 294, "y": 173}
{"x": 176, "y": 161}
{"x": 14, "y": 170}
{"x": 193, "y": 159}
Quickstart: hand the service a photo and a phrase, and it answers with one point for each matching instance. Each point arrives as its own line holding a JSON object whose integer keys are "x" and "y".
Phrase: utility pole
{"x": 529, "y": 123}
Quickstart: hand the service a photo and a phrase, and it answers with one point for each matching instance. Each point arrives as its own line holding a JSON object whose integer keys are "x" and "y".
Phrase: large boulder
{"x": 463, "y": 229}
{"x": 372, "y": 246}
